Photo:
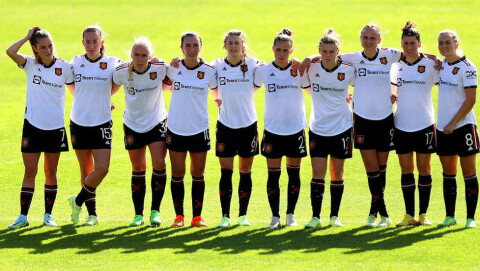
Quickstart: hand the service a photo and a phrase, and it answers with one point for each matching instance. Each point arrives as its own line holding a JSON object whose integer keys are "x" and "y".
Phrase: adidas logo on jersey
{"x": 401, "y": 70}
{"x": 224, "y": 69}
{"x": 179, "y": 73}
{"x": 82, "y": 66}
{"x": 362, "y": 62}
{"x": 317, "y": 75}
{"x": 272, "y": 74}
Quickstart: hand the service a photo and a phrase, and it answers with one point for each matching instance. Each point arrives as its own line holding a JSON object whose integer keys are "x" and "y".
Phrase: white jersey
{"x": 236, "y": 90}
{"x": 330, "y": 114}
{"x": 284, "y": 102}
{"x": 371, "y": 96}
{"x": 144, "y": 103}
{"x": 93, "y": 87}
{"x": 45, "y": 106}
{"x": 188, "y": 112}
{"x": 414, "y": 108}
{"x": 454, "y": 79}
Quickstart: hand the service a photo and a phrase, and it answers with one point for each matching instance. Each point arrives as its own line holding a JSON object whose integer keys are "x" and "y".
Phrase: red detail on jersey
{"x": 200, "y": 75}
{"x": 24, "y": 142}
{"x": 58, "y": 71}
{"x": 341, "y": 76}
{"x": 383, "y": 60}
{"x": 103, "y": 65}
{"x": 167, "y": 81}
{"x": 421, "y": 69}
{"x": 244, "y": 68}
{"x": 207, "y": 65}
{"x": 293, "y": 72}
{"x": 158, "y": 63}
{"x": 455, "y": 70}
{"x": 153, "y": 75}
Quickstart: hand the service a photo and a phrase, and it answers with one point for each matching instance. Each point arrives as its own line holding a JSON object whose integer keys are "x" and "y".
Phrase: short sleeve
{"x": 348, "y": 58}
{"x": 436, "y": 76}
{"x": 213, "y": 80}
{"x": 258, "y": 78}
{"x": 304, "y": 80}
{"x": 29, "y": 61}
{"x": 394, "y": 54}
{"x": 352, "y": 78}
{"x": 393, "y": 74}
{"x": 69, "y": 74}
{"x": 470, "y": 77}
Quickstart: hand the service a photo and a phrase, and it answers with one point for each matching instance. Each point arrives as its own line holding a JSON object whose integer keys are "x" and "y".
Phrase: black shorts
{"x": 338, "y": 146}
{"x": 276, "y": 146}
{"x": 134, "y": 140}
{"x": 194, "y": 143}
{"x": 423, "y": 141}
{"x": 462, "y": 142}
{"x": 90, "y": 138}
{"x": 241, "y": 141}
{"x": 374, "y": 134}
{"x": 38, "y": 140}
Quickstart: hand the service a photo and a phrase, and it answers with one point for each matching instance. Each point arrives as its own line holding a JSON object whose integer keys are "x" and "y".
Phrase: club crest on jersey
{"x": 153, "y": 75}
{"x": 341, "y": 76}
{"x": 200, "y": 75}
{"x": 220, "y": 147}
{"x": 244, "y": 68}
{"x": 455, "y": 70}
{"x": 103, "y": 65}
{"x": 24, "y": 142}
{"x": 58, "y": 71}
{"x": 421, "y": 69}
{"x": 129, "y": 140}
{"x": 383, "y": 60}
{"x": 360, "y": 139}
{"x": 293, "y": 72}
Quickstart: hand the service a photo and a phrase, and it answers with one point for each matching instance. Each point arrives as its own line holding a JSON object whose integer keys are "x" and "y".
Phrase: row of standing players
{"x": 93, "y": 77}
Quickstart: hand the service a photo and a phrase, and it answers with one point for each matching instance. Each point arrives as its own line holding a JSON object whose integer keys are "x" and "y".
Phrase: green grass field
{"x": 113, "y": 245}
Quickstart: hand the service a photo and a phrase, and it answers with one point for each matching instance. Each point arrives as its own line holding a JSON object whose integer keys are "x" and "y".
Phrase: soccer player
{"x": 43, "y": 125}
{"x": 412, "y": 79}
{"x": 144, "y": 124}
{"x": 188, "y": 126}
{"x": 330, "y": 130}
{"x": 284, "y": 123}
{"x": 457, "y": 127}
{"x": 372, "y": 113}
{"x": 236, "y": 132}
{"x": 91, "y": 119}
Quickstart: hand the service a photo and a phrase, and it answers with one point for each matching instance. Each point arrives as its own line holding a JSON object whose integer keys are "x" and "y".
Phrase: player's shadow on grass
{"x": 231, "y": 240}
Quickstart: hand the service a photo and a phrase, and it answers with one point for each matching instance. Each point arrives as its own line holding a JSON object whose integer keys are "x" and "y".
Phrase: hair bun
{"x": 408, "y": 25}
{"x": 285, "y": 31}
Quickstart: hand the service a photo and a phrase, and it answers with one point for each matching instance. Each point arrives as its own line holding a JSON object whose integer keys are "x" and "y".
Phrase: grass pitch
{"x": 113, "y": 245}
